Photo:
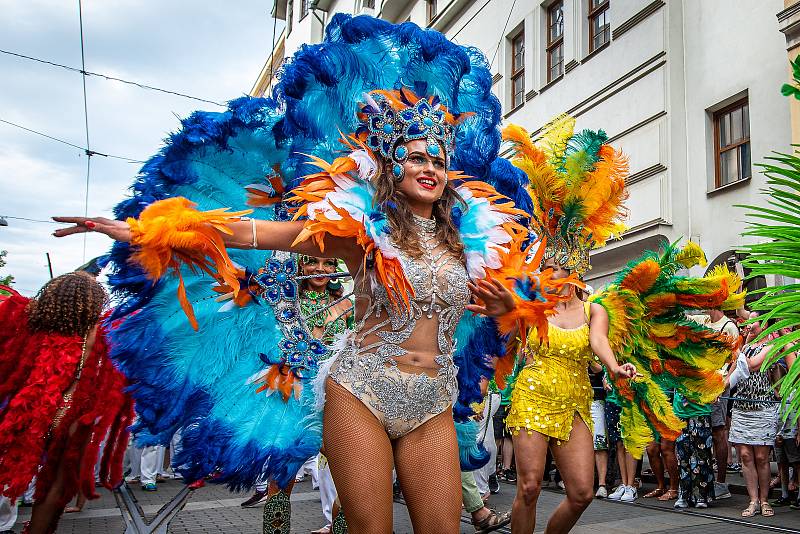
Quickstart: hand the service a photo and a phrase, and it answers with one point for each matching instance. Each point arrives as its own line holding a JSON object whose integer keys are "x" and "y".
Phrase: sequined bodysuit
{"x": 374, "y": 362}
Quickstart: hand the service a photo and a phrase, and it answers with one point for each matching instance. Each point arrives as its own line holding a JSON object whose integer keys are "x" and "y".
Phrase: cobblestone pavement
{"x": 213, "y": 509}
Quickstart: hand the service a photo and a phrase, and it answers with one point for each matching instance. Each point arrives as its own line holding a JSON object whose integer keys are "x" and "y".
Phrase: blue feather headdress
{"x": 200, "y": 383}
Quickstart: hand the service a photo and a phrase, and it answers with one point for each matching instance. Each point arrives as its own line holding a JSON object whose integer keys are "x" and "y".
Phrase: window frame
{"x": 558, "y": 42}
{"x": 431, "y": 10}
{"x": 716, "y": 117}
{"x": 305, "y": 7}
{"x": 595, "y": 12}
{"x": 517, "y": 70}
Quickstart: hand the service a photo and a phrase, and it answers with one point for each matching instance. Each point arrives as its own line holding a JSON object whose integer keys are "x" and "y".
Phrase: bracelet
{"x": 254, "y": 244}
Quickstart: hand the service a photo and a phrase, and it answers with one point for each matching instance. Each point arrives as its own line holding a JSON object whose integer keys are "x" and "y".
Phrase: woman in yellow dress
{"x": 577, "y": 182}
{"x": 550, "y": 407}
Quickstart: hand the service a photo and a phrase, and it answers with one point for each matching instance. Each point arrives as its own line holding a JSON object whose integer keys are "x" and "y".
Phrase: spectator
{"x": 483, "y": 519}
{"x": 600, "y": 438}
{"x": 626, "y": 491}
{"x": 786, "y": 442}
{"x": 663, "y": 458}
{"x": 754, "y": 424}
{"x": 694, "y": 447}
{"x": 505, "y": 446}
{"x": 491, "y": 404}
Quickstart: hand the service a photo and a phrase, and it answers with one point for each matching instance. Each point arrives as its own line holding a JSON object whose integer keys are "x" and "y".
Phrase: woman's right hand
{"x": 116, "y": 230}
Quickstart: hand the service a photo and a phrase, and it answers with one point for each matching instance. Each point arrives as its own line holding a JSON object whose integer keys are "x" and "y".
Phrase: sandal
{"x": 658, "y": 492}
{"x": 668, "y": 495}
{"x": 492, "y": 522}
{"x": 751, "y": 510}
{"x": 324, "y": 530}
{"x": 766, "y": 510}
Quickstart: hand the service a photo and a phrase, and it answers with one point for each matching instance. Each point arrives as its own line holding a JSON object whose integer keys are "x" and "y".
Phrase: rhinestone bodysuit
{"x": 386, "y": 336}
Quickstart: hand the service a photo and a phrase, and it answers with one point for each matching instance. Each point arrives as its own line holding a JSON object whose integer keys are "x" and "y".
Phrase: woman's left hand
{"x": 626, "y": 370}
{"x": 497, "y": 300}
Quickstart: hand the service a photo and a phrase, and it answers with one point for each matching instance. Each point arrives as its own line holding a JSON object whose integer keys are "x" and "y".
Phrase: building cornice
{"x": 789, "y": 25}
{"x": 639, "y": 17}
{"x": 644, "y": 174}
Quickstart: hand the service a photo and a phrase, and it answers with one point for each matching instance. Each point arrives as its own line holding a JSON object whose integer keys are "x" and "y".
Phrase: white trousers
{"x": 327, "y": 491}
{"x": 8, "y": 514}
{"x": 486, "y": 434}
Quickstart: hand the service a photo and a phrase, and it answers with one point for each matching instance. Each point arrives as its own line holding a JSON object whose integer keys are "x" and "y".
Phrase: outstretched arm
{"x": 269, "y": 235}
{"x": 598, "y": 339}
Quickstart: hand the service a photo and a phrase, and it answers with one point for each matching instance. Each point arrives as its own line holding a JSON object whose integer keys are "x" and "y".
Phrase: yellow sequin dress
{"x": 554, "y": 384}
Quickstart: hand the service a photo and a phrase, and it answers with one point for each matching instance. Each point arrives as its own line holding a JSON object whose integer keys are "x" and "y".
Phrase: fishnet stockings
{"x": 361, "y": 458}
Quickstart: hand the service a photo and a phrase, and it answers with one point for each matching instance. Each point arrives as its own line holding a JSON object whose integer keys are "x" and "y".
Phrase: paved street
{"x": 215, "y": 510}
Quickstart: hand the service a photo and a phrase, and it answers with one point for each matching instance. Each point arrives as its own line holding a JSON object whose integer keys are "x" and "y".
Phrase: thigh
{"x": 530, "y": 449}
{"x": 427, "y": 464}
{"x": 360, "y": 459}
{"x": 575, "y": 458}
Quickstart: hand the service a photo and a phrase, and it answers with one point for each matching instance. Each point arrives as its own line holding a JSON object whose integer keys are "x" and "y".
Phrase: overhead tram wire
{"x": 86, "y": 125}
{"x": 107, "y": 77}
{"x": 27, "y": 219}
{"x": 82, "y": 149}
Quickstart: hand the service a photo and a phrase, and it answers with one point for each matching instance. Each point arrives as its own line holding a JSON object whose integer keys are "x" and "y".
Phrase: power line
{"x": 86, "y": 125}
{"x": 27, "y": 219}
{"x": 107, "y": 77}
{"x": 82, "y": 149}
{"x": 502, "y": 34}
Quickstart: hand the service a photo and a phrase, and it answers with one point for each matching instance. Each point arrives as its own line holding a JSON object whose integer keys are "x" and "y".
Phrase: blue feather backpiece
{"x": 201, "y": 382}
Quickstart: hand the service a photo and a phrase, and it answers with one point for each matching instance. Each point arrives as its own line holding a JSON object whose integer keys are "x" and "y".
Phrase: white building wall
{"x": 650, "y": 89}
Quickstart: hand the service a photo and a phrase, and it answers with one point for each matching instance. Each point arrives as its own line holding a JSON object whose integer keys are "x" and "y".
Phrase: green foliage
{"x": 8, "y": 279}
{"x": 777, "y": 227}
{"x": 793, "y": 90}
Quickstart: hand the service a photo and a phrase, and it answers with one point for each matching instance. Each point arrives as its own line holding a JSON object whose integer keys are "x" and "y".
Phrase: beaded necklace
{"x": 314, "y": 307}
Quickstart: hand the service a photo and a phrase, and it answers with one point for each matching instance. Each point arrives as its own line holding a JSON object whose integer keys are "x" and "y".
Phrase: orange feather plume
{"x": 171, "y": 232}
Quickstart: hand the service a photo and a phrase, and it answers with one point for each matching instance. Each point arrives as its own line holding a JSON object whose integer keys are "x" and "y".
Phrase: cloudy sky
{"x": 209, "y": 49}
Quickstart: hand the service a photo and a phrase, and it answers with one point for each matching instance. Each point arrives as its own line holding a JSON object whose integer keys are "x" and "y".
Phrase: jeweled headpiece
{"x": 391, "y": 118}
{"x": 577, "y": 183}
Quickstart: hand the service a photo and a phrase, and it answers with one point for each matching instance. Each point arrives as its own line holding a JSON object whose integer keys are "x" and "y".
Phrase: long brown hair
{"x": 401, "y": 219}
{"x": 70, "y": 304}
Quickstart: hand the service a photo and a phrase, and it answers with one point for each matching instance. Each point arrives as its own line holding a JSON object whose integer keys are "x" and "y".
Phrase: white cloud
{"x": 204, "y": 48}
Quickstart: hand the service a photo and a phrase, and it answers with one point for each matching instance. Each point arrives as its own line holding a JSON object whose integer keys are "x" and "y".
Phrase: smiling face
{"x": 311, "y": 265}
{"x": 424, "y": 179}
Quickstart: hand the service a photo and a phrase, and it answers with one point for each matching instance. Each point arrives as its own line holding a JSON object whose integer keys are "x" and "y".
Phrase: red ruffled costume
{"x": 35, "y": 370}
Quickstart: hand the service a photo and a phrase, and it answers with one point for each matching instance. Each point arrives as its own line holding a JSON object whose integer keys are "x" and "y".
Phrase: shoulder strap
{"x": 587, "y": 310}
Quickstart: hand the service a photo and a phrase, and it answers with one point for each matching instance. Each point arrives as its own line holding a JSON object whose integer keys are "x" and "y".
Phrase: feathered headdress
{"x": 577, "y": 182}
{"x": 391, "y": 118}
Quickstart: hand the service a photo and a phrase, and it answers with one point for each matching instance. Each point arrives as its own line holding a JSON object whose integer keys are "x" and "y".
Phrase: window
{"x": 599, "y": 24}
{"x": 431, "y": 10}
{"x": 369, "y": 3}
{"x": 289, "y": 16}
{"x": 304, "y": 7}
{"x": 518, "y": 69}
{"x": 732, "y": 143}
{"x": 555, "y": 40}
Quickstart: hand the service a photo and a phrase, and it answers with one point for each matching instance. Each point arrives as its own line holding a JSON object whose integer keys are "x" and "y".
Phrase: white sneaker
{"x": 617, "y": 493}
{"x": 681, "y": 503}
{"x": 602, "y": 492}
{"x": 561, "y": 485}
{"x": 721, "y": 491}
{"x": 629, "y": 495}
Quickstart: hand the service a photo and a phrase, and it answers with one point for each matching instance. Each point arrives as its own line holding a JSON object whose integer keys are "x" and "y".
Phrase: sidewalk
{"x": 214, "y": 509}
